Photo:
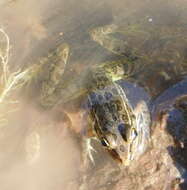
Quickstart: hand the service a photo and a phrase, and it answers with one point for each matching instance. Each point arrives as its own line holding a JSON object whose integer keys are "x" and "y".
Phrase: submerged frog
{"x": 123, "y": 130}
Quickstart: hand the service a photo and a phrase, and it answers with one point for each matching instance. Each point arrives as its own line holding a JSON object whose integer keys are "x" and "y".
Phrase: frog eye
{"x": 134, "y": 133}
{"x": 104, "y": 142}
{"x": 122, "y": 129}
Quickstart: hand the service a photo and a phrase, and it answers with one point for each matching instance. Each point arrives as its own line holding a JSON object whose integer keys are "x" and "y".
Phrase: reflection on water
{"x": 153, "y": 36}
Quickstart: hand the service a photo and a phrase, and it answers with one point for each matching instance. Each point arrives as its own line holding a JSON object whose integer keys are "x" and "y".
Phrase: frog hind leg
{"x": 102, "y": 35}
{"x": 130, "y": 61}
{"x": 52, "y": 70}
{"x": 122, "y": 69}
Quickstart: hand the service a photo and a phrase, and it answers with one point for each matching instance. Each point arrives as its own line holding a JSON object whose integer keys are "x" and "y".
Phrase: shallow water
{"x": 36, "y": 27}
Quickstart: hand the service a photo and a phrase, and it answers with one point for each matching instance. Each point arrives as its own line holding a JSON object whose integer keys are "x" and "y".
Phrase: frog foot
{"x": 88, "y": 151}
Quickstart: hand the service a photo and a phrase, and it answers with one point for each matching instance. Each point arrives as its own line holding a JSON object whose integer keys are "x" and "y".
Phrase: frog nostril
{"x": 122, "y": 129}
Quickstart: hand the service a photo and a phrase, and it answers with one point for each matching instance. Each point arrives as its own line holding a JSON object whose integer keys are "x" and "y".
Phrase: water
{"x": 155, "y": 30}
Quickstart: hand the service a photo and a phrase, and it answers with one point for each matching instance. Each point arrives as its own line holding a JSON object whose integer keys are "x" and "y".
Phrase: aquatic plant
{"x": 9, "y": 81}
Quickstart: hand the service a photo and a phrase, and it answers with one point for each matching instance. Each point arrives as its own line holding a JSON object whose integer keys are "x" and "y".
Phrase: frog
{"x": 122, "y": 130}
{"x": 45, "y": 74}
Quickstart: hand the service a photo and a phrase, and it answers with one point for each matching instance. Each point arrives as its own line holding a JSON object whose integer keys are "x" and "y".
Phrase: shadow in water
{"x": 177, "y": 127}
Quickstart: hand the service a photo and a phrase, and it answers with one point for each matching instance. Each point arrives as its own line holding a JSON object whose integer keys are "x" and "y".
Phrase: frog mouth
{"x": 115, "y": 155}
{"x": 112, "y": 151}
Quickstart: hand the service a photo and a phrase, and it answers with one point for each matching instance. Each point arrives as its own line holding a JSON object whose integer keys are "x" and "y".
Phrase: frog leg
{"x": 119, "y": 69}
{"x": 88, "y": 150}
{"x": 102, "y": 35}
{"x": 131, "y": 63}
{"x": 52, "y": 70}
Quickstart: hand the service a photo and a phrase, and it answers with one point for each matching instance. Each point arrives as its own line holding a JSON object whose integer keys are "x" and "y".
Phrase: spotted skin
{"x": 114, "y": 122}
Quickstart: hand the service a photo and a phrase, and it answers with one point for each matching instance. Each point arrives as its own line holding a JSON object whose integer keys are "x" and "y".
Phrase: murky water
{"x": 155, "y": 30}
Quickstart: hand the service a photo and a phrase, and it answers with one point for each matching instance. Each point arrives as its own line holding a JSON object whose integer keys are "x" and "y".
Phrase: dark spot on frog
{"x": 104, "y": 122}
{"x": 123, "y": 130}
{"x": 111, "y": 107}
{"x": 107, "y": 125}
{"x": 101, "y": 86}
{"x": 87, "y": 105}
{"x": 119, "y": 107}
{"x": 133, "y": 58}
{"x": 105, "y": 129}
{"x": 108, "y": 95}
{"x": 114, "y": 69}
{"x": 93, "y": 98}
{"x": 106, "y": 107}
{"x": 118, "y": 104}
{"x": 100, "y": 97}
{"x": 124, "y": 117}
{"x": 99, "y": 111}
{"x": 103, "y": 79}
{"x": 114, "y": 117}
